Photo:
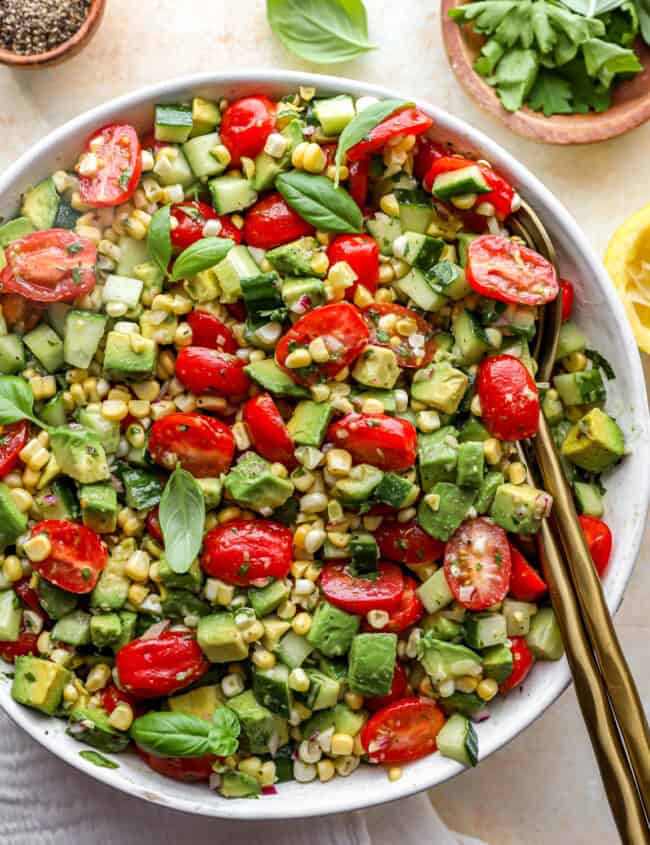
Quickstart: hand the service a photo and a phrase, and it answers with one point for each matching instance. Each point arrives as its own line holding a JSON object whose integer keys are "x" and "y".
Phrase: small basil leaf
{"x": 159, "y": 241}
{"x": 171, "y": 734}
{"x": 199, "y": 256}
{"x": 16, "y": 401}
{"x": 182, "y": 519}
{"x": 98, "y": 759}
{"x": 223, "y": 738}
{"x": 319, "y": 202}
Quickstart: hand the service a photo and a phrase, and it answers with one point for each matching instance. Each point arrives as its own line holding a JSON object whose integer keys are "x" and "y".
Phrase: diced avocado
{"x": 238, "y": 785}
{"x": 434, "y": 593}
{"x": 271, "y": 688}
{"x": 571, "y": 340}
{"x": 387, "y": 398}
{"x": 498, "y": 662}
{"x": 589, "y": 498}
{"x": 415, "y": 210}
{"x": 485, "y": 629}
{"x": 544, "y": 638}
{"x": 582, "y": 388}
{"x": 205, "y": 116}
{"x": 191, "y": 580}
{"x": 358, "y": 487}
{"x": 73, "y": 629}
{"x": 99, "y": 507}
{"x": 53, "y": 411}
{"x": 142, "y": 487}
{"x": 80, "y": 455}
{"x": 377, "y": 367}
{"x": 335, "y": 113}
{"x": 520, "y": 508}
{"x": 40, "y": 204}
{"x": 332, "y": 630}
{"x": 471, "y": 340}
{"x": 110, "y": 592}
{"x": 384, "y": 230}
{"x": 440, "y": 386}
{"x": 294, "y": 258}
{"x": 418, "y": 287}
{"x": 269, "y": 376}
{"x": 185, "y": 606}
{"x": 83, "y": 333}
{"x": 471, "y": 461}
{"x": 309, "y": 422}
{"x": 203, "y": 287}
{"x": 12, "y": 354}
{"x": 220, "y": 639}
{"x": 372, "y": 663}
{"x": 129, "y": 356}
{"x": 200, "y": 702}
{"x": 12, "y": 522}
{"x": 442, "y": 628}
{"x": 518, "y": 615}
{"x": 257, "y": 721}
{"x": 268, "y": 167}
{"x": 105, "y": 629}
{"x": 14, "y": 229}
{"x": 464, "y": 240}
{"x": 460, "y": 702}
{"x": 444, "y": 661}
{"x": 39, "y": 683}
{"x": 56, "y": 602}
{"x": 458, "y": 741}
{"x": 264, "y": 600}
{"x": 396, "y": 491}
{"x": 91, "y": 725}
{"x": 486, "y": 492}
{"x": 252, "y": 483}
{"x": 237, "y": 265}
{"x": 231, "y": 194}
{"x": 173, "y": 123}
{"x": 454, "y": 183}
{"x": 293, "y": 649}
{"x": 595, "y": 443}
{"x": 323, "y": 692}
{"x": 274, "y": 629}
{"x": 339, "y": 717}
{"x": 129, "y": 621}
{"x": 108, "y": 431}
{"x": 133, "y": 262}
{"x": 11, "y": 615}
{"x": 46, "y": 346}
{"x": 453, "y": 503}
{"x": 199, "y": 155}
{"x": 302, "y": 294}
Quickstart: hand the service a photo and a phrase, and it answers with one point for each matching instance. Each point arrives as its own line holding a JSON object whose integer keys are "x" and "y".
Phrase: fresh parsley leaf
{"x": 223, "y": 738}
{"x": 515, "y": 76}
{"x": 604, "y": 60}
{"x": 125, "y": 178}
{"x": 588, "y": 95}
{"x": 550, "y": 94}
{"x": 76, "y": 275}
{"x": 74, "y": 247}
{"x": 486, "y": 15}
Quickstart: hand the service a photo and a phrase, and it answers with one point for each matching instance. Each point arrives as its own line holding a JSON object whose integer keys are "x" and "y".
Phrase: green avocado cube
{"x": 294, "y": 258}
{"x": 443, "y": 661}
{"x": 239, "y": 785}
{"x": 595, "y": 443}
{"x": 520, "y": 508}
{"x": 442, "y": 511}
{"x": 12, "y": 522}
{"x": 544, "y": 638}
{"x": 303, "y": 293}
{"x": 377, "y": 367}
{"x": 434, "y": 593}
{"x": 183, "y": 605}
{"x": 265, "y": 600}
{"x": 80, "y": 455}
{"x": 309, "y": 422}
{"x": 191, "y": 580}
{"x": 220, "y": 639}
{"x": 105, "y": 629}
{"x": 372, "y": 663}
{"x": 107, "y": 430}
{"x": 256, "y": 720}
{"x": 471, "y": 463}
{"x": 73, "y": 629}
{"x": 56, "y": 602}
{"x": 332, "y": 630}
{"x": 438, "y": 456}
{"x": 252, "y": 483}
{"x": 396, "y": 491}
{"x": 39, "y": 683}
{"x": 518, "y": 615}
{"x": 498, "y": 662}
{"x": 129, "y": 356}
{"x": 359, "y": 486}
{"x": 111, "y": 591}
{"x": 99, "y": 507}
{"x": 129, "y": 620}
{"x": 440, "y": 386}
{"x": 486, "y": 492}
{"x": 91, "y": 725}
{"x": 269, "y": 376}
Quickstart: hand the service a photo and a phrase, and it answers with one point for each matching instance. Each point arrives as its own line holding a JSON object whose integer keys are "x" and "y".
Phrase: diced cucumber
{"x": 455, "y": 183}
{"x": 40, "y": 204}
{"x": 582, "y": 388}
{"x": 434, "y": 593}
{"x": 457, "y": 740}
{"x": 83, "y": 333}
{"x": 471, "y": 340}
{"x": 11, "y": 615}
{"x": 518, "y": 615}
{"x": 14, "y": 229}
{"x": 237, "y": 265}
{"x": 293, "y": 650}
{"x": 53, "y": 411}
{"x": 173, "y": 123}
{"x": 132, "y": 254}
{"x": 464, "y": 240}
{"x": 12, "y": 354}
{"x": 498, "y": 662}
{"x": 122, "y": 289}
{"x": 544, "y": 638}
{"x": 415, "y": 210}
{"x": 56, "y": 314}
{"x": 66, "y": 216}
{"x": 384, "y": 230}
{"x": 483, "y": 630}
{"x": 335, "y": 113}
{"x": 200, "y": 158}
{"x": 174, "y": 170}
{"x": 364, "y": 551}
{"x": 571, "y": 340}
{"x": 418, "y": 250}
{"x": 590, "y": 500}
{"x": 231, "y": 194}
{"x": 45, "y": 345}
{"x": 416, "y": 286}
{"x": 449, "y": 279}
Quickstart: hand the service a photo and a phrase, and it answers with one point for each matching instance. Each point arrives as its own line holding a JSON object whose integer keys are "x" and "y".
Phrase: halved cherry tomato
{"x": 345, "y": 334}
{"x": 359, "y": 594}
{"x": 407, "y": 614}
{"x": 385, "y": 442}
{"x": 12, "y": 440}
{"x": 509, "y": 398}
{"x": 152, "y": 523}
{"x": 406, "y": 121}
{"x": 119, "y": 165}
{"x": 25, "y": 644}
{"x": 186, "y": 769}
{"x": 245, "y": 126}
{"x": 28, "y": 596}
{"x": 358, "y": 181}
{"x": 408, "y": 353}
{"x": 159, "y": 666}
{"x": 271, "y": 222}
{"x": 362, "y": 254}
{"x": 204, "y": 370}
{"x": 477, "y": 564}
{"x": 522, "y": 664}
{"x": 567, "y": 295}
{"x": 50, "y": 265}
{"x": 77, "y": 557}
{"x": 427, "y": 151}
{"x": 501, "y": 194}
{"x": 503, "y": 269}
{"x": 525, "y": 582}
{"x": 268, "y": 430}
{"x": 407, "y": 543}
{"x": 21, "y": 313}
{"x": 245, "y": 551}
{"x": 403, "y": 731}
{"x": 201, "y": 445}
{"x": 599, "y": 540}
{"x": 397, "y": 690}
{"x": 111, "y": 696}
{"x": 210, "y": 332}
{"x": 191, "y": 217}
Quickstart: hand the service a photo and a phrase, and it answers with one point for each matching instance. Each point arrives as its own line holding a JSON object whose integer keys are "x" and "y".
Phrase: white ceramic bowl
{"x": 598, "y": 311}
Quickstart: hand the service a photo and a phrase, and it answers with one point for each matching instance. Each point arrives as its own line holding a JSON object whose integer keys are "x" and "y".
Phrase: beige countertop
{"x": 542, "y": 789}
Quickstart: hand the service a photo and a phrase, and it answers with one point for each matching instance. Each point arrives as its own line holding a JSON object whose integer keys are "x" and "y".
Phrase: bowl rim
{"x": 549, "y": 207}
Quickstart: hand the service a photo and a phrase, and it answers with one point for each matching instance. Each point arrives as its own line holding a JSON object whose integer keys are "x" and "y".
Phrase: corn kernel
{"x": 467, "y": 684}
{"x": 389, "y": 205}
{"x": 12, "y": 568}
{"x": 353, "y": 700}
{"x": 266, "y": 775}
{"x": 137, "y": 566}
{"x": 516, "y": 473}
{"x": 263, "y": 658}
{"x": 250, "y": 766}
{"x": 342, "y": 745}
{"x": 114, "y": 409}
{"x": 98, "y": 677}
{"x": 38, "y": 548}
{"x": 319, "y": 351}
{"x": 314, "y": 159}
{"x": 301, "y": 624}
{"x": 298, "y": 680}
{"x": 575, "y": 363}
{"x": 298, "y": 154}
{"x": 298, "y": 358}
{"x": 43, "y": 643}
{"x": 137, "y": 594}
{"x": 487, "y": 689}
{"x": 394, "y": 774}
{"x": 122, "y": 716}
{"x": 464, "y": 201}
{"x": 492, "y": 450}
{"x": 22, "y": 499}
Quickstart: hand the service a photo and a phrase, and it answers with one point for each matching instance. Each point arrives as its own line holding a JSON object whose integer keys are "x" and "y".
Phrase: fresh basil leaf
{"x": 319, "y": 202}
{"x": 98, "y": 759}
{"x": 16, "y": 401}
{"x": 599, "y": 360}
{"x": 199, "y": 256}
{"x": 171, "y": 734}
{"x": 182, "y": 519}
{"x": 643, "y": 11}
{"x": 321, "y": 31}
{"x": 592, "y": 8}
{"x": 361, "y": 125}
{"x": 159, "y": 241}
{"x": 223, "y": 738}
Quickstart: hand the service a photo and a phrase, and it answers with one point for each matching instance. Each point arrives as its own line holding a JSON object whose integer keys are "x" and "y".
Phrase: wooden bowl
{"x": 65, "y": 50}
{"x": 630, "y": 99}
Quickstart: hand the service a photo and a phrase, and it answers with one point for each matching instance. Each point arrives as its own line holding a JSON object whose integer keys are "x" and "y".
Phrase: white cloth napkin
{"x": 45, "y": 802}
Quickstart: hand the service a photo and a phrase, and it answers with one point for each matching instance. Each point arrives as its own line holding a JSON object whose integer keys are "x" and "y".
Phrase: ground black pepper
{"x": 35, "y": 26}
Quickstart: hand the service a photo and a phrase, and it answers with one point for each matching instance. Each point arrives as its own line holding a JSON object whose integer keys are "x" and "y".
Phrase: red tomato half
{"x": 345, "y": 334}
{"x": 397, "y": 690}
{"x": 268, "y": 431}
{"x": 407, "y": 614}
{"x": 407, "y": 543}
{"x": 525, "y": 582}
{"x": 191, "y": 217}
{"x": 358, "y": 181}
{"x": 25, "y": 644}
{"x": 357, "y": 594}
{"x": 78, "y": 555}
{"x": 567, "y": 294}
{"x": 162, "y": 665}
{"x": 186, "y": 769}
{"x": 119, "y": 165}
{"x": 403, "y": 731}
{"x": 271, "y": 222}
{"x": 407, "y": 121}
{"x": 503, "y": 269}
{"x": 244, "y": 551}
{"x": 153, "y": 524}
{"x": 522, "y": 664}
{"x": 500, "y": 195}
{"x": 427, "y": 152}
{"x": 111, "y": 696}
{"x": 12, "y": 440}
{"x": 22, "y": 314}
{"x": 201, "y": 445}
{"x": 245, "y": 126}
{"x": 509, "y": 398}
{"x": 50, "y": 265}
{"x": 408, "y": 353}
{"x": 477, "y": 564}
{"x": 210, "y": 332}
{"x": 362, "y": 254}
{"x": 204, "y": 370}
{"x": 599, "y": 540}
{"x": 385, "y": 442}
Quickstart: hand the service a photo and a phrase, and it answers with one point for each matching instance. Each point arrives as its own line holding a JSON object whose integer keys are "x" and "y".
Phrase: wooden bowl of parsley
{"x": 556, "y": 71}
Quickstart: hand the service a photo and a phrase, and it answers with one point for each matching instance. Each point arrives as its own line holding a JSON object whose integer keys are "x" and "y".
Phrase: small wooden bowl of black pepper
{"x": 36, "y": 33}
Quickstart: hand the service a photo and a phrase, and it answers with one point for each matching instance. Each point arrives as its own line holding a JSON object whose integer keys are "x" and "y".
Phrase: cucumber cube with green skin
{"x": 396, "y": 491}
{"x": 434, "y": 593}
{"x": 256, "y": 720}
{"x": 520, "y": 508}
{"x": 173, "y": 123}
{"x": 198, "y": 152}
{"x": 415, "y": 210}
{"x": 309, "y": 421}
{"x": 265, "y": 600}
{"x": 595, "y": 443}
{"x": 40, "y": 204}
{"x": 332, "y": 630}
{"x": 518, "y": 615}
{"x": 471, "y": 340}
{"x": 486, "y": 492}
{"x": 39, "y": 683}
{"x": 12, "y": 355}
{"x": 384, "y": 230}
{"x": 191, "y": 580}
{"x": 332, "y": 552}
{"x": 485, "y": 629}
{"x": 440, "y": 386}
{"x": 293, "y": 649}
{"x": 442, "y": 628}
{"x": 420, "y": 251}
{"x": 471, "y": 461}
{"x": 460, "y": 702}
{"x": 220, "y": 639}
{"x": 271, "y": 688}
{"x": 458, "y": 741}
{"x": 544, "y": 638}
{"x": 323, "y": 691}
{"x": 455, "y": 183}
{"x": 56, "y": 602}
{"x": 105, "y": 629}
{"x": 46, "y": 346}
{"x": 133, "y": 255}
{"x": 184, "y": 606}
{"x": 417, "y": 287}
{"x": 445, "y": 661}
{"x": 376, "y": 367}
{"x": 335, "y": 113}
{"x": 364, "y": 551}
{"x": 582, "y": 388}
{"x": 122, "y": 289}
{"x": 358, "y": 488}
{"x": 464, "y": 240}
{"x": 91, "y": 725}
{"x": 73, "y": 629}
{"x": 231, "y": 194}
{"x": 437, "y": 456}
{"x": 453, "y": 505}
{"x": 239, "y": 785}
{"x": 372, "y": 663}
{"x": 252, "y": 483}
{"x": 83, "y": 334}
{"x": 589, "y": 499}
{"x": 498, "y": 662}
{"x": 12, "y": 522}
{"x": 142, "y": 487}
{"x": 205, "y": 116}
{"x": 302, "y": 294}
{"x": 14, "y": 229}
{"x": 571, "y": 340}
{"x": 99, "y": 507}
{"x": 237, "y": 265}
{"x": 11, "y": 615}
{"x": 553, "y": 409}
